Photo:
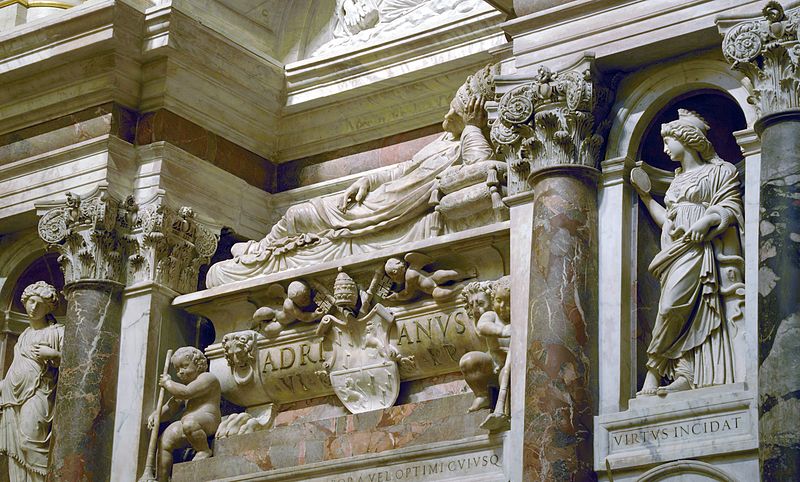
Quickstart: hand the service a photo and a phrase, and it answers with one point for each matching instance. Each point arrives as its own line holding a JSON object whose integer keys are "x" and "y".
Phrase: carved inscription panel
{"x": 292, "y": 366}
{"x": 676, "y": 432}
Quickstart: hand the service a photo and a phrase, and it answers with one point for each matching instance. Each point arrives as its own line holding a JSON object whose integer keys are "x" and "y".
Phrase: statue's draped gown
{"x": 395, "y": 211}
{"x": 26, "y": 405}
{"x": 702, "y": 289}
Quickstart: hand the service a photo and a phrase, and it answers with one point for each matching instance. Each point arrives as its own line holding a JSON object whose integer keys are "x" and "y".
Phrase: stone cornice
{"x": 191, "y": 58}
{"x": 624, "y": 34}
{"x": 767, "y": 51}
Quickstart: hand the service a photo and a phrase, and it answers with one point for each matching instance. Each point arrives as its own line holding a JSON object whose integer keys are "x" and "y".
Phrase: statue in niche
{"x": 361, "y": 21}
{"x": 488, "y": 304}
{"x": 27, "y": 392}
{"x": 410, "y": 273}
{"x": 298, "y": 305}
{"x": 200, "y": 393}
{"x": 386, "y": 208}
{"x": 700, "y": 265}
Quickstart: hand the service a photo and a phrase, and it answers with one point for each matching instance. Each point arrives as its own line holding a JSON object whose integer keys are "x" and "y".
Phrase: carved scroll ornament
{"x": 555, "y": 119}
{"x": 767, "y": 52}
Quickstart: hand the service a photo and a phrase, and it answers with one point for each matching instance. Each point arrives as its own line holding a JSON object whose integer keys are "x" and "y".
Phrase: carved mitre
{"x": 481, "y": 83}
{"x": 767, "y": 51}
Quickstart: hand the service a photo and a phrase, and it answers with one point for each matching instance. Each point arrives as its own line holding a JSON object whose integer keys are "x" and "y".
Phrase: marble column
{"x": 551, "y": 132}
{"x": 766, "y": 50}
{"x": 92, "y": 250}
{"x": 83, "y": 421}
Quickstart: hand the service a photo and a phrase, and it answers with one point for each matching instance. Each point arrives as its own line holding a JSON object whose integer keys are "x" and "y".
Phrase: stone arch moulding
{"x": 656, "y": 86}
{"x": 679, "y": 468}
{"x": 17, "y": 255}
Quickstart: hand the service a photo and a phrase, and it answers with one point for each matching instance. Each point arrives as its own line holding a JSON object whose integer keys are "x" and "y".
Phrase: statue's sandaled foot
{"x": 647, "y": 392}
{"x": 479, "y": 404}
{"x": 650, "y": 386}
{"x": 203, "y": 454}
{"x": 496, "y": 422}
{"x": 679, "y": 385}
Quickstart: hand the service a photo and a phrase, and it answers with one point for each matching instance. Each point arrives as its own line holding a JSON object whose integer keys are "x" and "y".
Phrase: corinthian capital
{"x": 766, "y": 50}
{"x": 555, "y": 119}
{"x": 168, "y": 246}
{"x": 88, "y": 234}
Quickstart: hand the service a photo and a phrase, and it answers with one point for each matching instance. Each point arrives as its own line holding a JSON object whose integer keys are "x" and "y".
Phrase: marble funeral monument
{"x": 399, "y": 240}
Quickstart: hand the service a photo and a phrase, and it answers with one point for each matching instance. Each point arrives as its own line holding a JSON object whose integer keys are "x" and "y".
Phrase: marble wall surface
{"x": 244, "y": 109}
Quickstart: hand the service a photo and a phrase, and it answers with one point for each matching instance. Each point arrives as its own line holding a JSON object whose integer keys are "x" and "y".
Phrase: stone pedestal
{"x": 83, "y": 422}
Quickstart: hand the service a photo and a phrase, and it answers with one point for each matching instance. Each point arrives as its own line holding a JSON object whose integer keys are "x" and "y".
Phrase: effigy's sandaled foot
{"x": 647, "y": 392}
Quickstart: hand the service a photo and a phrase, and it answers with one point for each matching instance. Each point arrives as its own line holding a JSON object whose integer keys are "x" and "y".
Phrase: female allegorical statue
{"x": 700, "y": 264}
{"x": 27, "y": 392}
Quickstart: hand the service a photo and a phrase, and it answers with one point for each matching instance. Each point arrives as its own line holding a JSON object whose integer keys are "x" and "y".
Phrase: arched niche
{"x": 23, "y": 260}
{"x": 685, "y": 471}
{"x": 645, "y": 100}
{"x": 646, "y": 94}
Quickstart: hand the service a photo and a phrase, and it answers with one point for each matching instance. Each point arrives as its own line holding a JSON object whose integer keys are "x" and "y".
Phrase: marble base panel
{"x": 340, "y": 444}
{"x": 696, "y": 424}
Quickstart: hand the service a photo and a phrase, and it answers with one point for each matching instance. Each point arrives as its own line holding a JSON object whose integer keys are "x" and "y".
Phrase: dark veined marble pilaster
{"x": 551, "y": 131}
{"x": 767, "y": 51}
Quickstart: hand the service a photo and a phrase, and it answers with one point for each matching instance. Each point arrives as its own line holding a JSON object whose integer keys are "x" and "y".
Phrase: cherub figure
{"x": 495, "y": 327}
{"x": 488, "y": 304}
{"x": 297, "y": 306}
{"x": 411, "y": 274}
{"x": 201, "y": 417}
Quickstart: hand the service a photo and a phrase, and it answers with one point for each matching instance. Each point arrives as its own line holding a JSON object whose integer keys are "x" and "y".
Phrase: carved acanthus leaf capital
{"x": 169, "y": 246}
{"x": 88, "y": 237}
{"x": 102, "y": 238}
{"x": 766, "y": 50}
{"x": 555, "y": 119}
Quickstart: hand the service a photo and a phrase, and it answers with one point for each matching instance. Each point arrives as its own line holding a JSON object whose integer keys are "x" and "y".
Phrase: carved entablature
{"x": 767, "y": 51}
{"x": 558, "y": 118}
{"x": 100, "y": 237}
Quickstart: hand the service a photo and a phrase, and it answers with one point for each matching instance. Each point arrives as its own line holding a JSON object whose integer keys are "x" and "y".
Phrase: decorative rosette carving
{"x": 101, "y": 238}
{"x": 84, "y": 233}
{"x": 766, "y": 50}
{"x": 555, "y": 119}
